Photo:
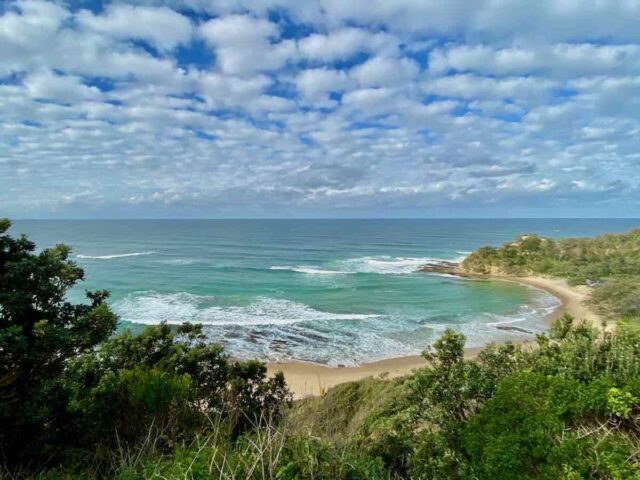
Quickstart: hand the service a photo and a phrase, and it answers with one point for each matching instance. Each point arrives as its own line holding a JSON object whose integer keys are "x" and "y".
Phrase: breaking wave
{"x": 279, "y": 329}
{"x": 119, "y": 255}
{"x": 388, "y": 265}
{"x": 383, "y": 265}
{"x": 307, "y": 270}
{"x": 175, "y": 308}
{"x": 180, "y": 261}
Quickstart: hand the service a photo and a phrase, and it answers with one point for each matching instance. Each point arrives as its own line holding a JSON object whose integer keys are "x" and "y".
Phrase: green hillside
{"x": 577, "y": 259}
{"x": 610, "y": 263}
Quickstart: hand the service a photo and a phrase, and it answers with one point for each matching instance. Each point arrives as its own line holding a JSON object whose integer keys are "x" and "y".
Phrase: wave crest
{"x": 383, "y": 265}
{"x": 152, "y": 308}
{"x": 117, "y": 255}
{"x": 307, "y": 270}
{"x": 389, "y": 265}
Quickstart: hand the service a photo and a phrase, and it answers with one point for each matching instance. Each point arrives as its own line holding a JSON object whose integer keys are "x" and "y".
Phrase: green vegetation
{"x": 611, "y": 263}
{"x": 78, "y": 402}
{"x": 568, "y": 409}
{"x": 618, "y": 298}
{"x": 577, "y": 259}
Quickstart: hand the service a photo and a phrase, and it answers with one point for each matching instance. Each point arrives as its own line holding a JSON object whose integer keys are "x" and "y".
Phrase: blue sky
{"x": 290, "y": 108}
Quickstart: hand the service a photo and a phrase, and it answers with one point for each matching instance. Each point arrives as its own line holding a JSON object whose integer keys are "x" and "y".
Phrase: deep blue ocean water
{"x": 331, "y": 291}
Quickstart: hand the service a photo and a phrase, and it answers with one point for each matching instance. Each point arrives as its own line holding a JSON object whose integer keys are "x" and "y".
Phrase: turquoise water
{"x": 331, "y": 291}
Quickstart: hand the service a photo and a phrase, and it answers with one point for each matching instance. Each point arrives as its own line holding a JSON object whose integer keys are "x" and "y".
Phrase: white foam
{"x": 179, "y": 261}
{"x": 384, "y": 265}
{"x": 388, "y": 265}
{"x": 307, "y": 270}
{"x": 175, "y": 308}
{"x": 543, "y": 306}
{"x": 305, "y": 333}
{"x": 119, "y": 255}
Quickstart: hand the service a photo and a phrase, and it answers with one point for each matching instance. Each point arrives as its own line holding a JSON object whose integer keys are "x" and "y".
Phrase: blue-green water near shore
{"x": 331, "y": 291}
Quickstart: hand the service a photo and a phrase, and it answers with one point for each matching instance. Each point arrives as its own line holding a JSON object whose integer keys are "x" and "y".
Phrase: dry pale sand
{"x": 306, "y": 378}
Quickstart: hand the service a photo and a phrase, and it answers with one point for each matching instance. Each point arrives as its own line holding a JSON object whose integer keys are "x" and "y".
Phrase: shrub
{"x": 170, "y": 375}
{"x": 618, "y": 298}
{"x": 39, "y": 332}
{"x": 512, "y": 436}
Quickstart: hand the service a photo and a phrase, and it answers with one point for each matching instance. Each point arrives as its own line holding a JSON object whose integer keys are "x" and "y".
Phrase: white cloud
{"x": 368, "y": 97}
{"x": 23, "y": 34}
{"x": 518, "y": 89}
{"x": 385, "y": 72}
{"x": 315, "y": 84}
{"x": 307, "y": 112}
{"x": 245, "y": 45}
{"x": 38, "y": 36}
{"x": 548, "y": 20}
{"x": 49, "y": 86}
{"x": 497, "y": 21}
{"x": 238, "y": 30}
{"x": 220, "y": 90}
{"x": 559, "y": 60}
{"x": 161, "y": 27}
{"x": 343, "y": 43}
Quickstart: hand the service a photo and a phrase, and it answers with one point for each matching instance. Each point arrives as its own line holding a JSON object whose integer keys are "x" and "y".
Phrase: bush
{"x": 512, "y": 436}
{"x": 69, "y": 391}
{"x": 196, "y": 375}
{"x": 618, "y": 298}
{"x": 39, "y": 333}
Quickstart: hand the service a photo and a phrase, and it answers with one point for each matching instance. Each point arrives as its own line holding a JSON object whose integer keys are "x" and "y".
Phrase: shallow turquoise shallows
{"x": 331, "y": 291}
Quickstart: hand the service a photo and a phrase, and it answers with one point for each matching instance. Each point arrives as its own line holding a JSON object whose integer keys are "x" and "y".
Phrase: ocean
{"x": 328, "y": 291}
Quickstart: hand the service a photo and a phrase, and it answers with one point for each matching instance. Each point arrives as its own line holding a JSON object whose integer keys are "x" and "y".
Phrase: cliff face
{"x": 466, "y": 270}
{"x": 515, "y": 258}
{"x": 491, "y": 267}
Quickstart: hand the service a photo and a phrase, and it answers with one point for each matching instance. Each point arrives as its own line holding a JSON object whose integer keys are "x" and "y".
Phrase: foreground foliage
{"x": 569, "y": 408}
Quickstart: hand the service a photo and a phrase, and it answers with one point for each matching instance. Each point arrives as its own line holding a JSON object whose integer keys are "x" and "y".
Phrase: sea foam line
{"x": 307, "y": 270}
{"x": 119, "y": 255}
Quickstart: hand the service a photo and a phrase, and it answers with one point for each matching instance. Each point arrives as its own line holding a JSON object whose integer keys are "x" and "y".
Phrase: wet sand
{"x": 307, "y": 378}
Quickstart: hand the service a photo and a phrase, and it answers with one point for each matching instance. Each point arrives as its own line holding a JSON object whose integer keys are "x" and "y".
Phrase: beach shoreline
{"x": 309, "y": 379}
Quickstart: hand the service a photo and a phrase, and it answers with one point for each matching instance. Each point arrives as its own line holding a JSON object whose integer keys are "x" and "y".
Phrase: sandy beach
{"x": 306, "y": 378}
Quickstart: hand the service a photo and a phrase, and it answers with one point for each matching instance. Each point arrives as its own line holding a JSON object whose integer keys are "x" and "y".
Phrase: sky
{"x": 327, "y": 108}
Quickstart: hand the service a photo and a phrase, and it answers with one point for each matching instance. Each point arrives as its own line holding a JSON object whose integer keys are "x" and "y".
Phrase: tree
{"x": 39, "y": 331}
{"x": 166, "y": 376}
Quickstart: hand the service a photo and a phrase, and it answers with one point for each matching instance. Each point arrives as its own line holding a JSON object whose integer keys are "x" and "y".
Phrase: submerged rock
{"x": 510, "y": 328}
